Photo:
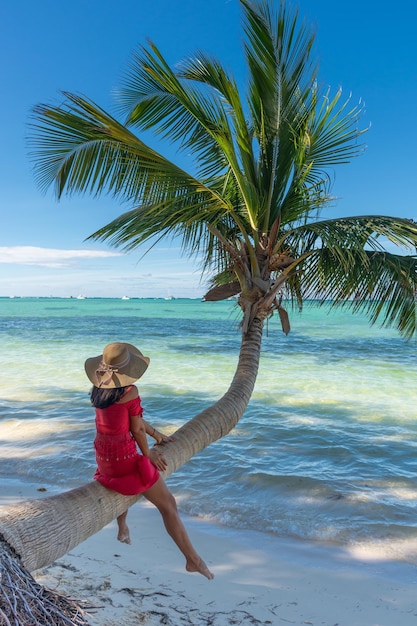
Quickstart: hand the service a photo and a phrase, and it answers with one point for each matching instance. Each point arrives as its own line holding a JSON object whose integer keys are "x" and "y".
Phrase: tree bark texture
{"x": 43, "y": 530}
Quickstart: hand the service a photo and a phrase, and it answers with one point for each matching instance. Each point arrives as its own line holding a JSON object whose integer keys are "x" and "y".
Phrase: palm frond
{"x": 346, "y": 263}
{"x": 153, "y": 96}
{"x": 301, "y": 133}
{"x": 156, "y": 97}
{"x": 222, "y": 292}
{"x": 280, "y": 66}
{"x": 278, "y": 52}
{"x": 350, "y": 233}
{"x": 382, "y": 284}
{"x": 208, "y": 70}
{"x": 83, "y": 149}
{"x": 333, "y": 130}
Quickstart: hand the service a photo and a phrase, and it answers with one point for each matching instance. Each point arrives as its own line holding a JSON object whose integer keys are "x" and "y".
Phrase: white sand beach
{"x": 259, "y": 579}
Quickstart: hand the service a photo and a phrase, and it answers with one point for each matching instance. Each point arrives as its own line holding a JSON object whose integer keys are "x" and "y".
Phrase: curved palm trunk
{"x": 41, "y": 531}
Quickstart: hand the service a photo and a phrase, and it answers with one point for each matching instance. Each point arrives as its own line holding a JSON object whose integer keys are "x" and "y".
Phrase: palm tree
{"x": 250, "y": 207}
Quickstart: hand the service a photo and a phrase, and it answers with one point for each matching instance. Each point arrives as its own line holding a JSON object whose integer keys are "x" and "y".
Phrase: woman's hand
{"x": 160, "y": 438}
{"x": 157, "y": 458}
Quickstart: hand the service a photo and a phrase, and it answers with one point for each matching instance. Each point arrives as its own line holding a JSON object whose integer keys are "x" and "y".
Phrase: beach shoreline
{"x": 259, "y": 578}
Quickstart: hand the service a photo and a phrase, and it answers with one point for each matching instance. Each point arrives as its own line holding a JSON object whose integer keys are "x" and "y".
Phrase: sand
{"x": 259, "y": 579}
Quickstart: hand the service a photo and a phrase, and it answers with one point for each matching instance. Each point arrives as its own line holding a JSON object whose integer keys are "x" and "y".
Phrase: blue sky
{"x": 84, "y": 46}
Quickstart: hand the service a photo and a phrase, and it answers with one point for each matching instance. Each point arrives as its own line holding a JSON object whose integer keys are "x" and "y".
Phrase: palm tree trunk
{"x": 41, "y": 531}
{"x": 219, "y": 419}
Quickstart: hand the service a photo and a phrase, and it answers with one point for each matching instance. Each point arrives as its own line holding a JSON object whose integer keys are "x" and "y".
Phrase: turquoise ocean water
{"x": 326, "y": 451}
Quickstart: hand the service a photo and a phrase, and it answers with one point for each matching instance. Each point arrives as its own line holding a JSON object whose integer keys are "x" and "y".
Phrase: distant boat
{"x": 81, "y": 297}
{"x": 125, "y": 298}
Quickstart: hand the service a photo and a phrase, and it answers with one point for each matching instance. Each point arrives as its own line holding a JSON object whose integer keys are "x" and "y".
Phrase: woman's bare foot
{"x": 200, "y": 567}
{"x": 123, "y": 535}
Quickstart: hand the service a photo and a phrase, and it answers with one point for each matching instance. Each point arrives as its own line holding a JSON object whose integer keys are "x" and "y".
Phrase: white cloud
{"x": 35, "y": 271}
{"x": 49, "y": 257}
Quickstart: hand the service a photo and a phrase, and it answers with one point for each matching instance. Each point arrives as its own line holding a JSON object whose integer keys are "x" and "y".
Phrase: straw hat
{"x": 120, "y": 365}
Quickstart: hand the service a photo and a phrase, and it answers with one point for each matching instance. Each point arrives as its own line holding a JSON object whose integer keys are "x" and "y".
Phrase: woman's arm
{"x": 138, "y": 430}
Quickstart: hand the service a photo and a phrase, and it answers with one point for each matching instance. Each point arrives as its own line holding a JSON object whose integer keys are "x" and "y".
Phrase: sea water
{"x": 326, "y": 450}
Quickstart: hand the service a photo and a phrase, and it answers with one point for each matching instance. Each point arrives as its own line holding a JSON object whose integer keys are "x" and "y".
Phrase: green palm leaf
{"x": 380, "y": 283}
{"x": 351, "y": 233}
{"x": 81, "y": 148}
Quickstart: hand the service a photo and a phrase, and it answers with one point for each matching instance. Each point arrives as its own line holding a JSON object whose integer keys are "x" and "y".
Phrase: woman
{"x": 120, "y": 426}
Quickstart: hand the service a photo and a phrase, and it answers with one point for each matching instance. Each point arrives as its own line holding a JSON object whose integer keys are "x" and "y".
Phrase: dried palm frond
{"x": 23, "y": 601}
{"x": 222, "y": 292}
{"x": 285, "y": 320}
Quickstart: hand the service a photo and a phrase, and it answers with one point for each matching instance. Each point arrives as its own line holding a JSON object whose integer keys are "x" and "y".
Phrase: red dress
{"x": 119, "y": 465}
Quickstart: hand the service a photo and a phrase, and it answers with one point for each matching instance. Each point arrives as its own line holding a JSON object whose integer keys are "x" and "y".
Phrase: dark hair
{"x": 102, "y": 398}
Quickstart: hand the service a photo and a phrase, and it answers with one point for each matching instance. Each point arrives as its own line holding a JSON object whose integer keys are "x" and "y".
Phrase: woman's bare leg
{"x": 164, "y": 501}
{"x": 123, "y": 534}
